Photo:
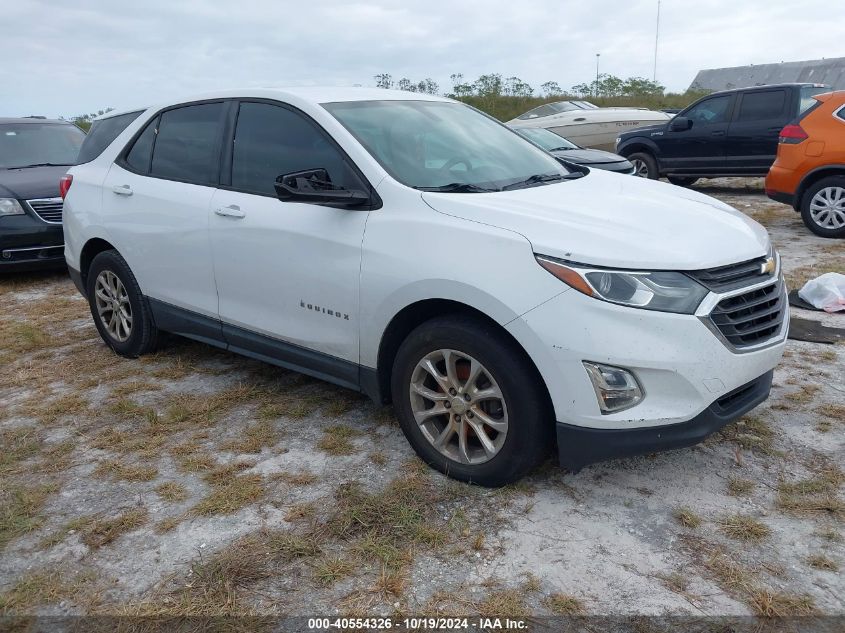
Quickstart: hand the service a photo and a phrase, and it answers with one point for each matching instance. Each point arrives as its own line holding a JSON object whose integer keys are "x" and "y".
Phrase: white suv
{"x": 412, "y": 248}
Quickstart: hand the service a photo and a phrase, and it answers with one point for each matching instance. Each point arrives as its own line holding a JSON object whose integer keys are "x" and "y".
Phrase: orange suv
{"x": 809, "y": 173}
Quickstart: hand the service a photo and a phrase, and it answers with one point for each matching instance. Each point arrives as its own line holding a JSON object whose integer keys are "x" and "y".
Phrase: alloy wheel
{"x": 827, "y": 208}
{"x": 459, "y": 407}
{"x": 113, "y": 306}
{"x": 640, "y": 168}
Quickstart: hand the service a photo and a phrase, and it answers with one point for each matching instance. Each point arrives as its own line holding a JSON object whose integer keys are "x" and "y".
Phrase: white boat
{"x": 586, "y": 124}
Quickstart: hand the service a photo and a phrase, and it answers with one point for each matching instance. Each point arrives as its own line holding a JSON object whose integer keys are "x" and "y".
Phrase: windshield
{"x": 548, "y": 109}
{"x": 25, "y": 144}
{"x": 431, "y": 144}
{"x": 549, "y": 141}
{"x": 807, "y": 100}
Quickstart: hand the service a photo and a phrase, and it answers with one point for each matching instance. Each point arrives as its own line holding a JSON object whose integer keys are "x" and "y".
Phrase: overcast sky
{"x": 71, "y": 57}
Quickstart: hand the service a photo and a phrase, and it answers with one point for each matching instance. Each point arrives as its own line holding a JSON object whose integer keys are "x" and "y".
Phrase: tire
{"x": 109, "y": 278}
{"x": 645, "y": 165}
{"x": 823, "y": 207}
{"x": 522, "y": 426}
{"x": 682, "y": 181}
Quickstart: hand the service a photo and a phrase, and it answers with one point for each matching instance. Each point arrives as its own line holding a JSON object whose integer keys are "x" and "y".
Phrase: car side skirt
{"x": 205, "y": 329}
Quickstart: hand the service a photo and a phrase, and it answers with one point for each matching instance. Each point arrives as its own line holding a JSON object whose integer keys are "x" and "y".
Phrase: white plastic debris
{"x": 826, "y": 292}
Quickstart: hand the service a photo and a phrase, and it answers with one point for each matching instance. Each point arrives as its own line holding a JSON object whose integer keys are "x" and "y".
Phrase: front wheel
{"x": 682, "y": 181}
{"x": 470, "y": 403}
{"x": 120, "y": 311}
{"x": 823, "y": 207}
{"x": 645, "y": 165}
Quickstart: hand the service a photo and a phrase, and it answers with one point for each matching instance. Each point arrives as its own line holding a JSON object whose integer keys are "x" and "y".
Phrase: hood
{"x": 32, "y": 182}
{"x": 589, "y": 156}
{"x": 618, "y": 221}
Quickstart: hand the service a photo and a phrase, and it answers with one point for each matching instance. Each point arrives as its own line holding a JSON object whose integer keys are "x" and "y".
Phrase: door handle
{"x": 718, "y": 133}
{"x": 232, "y": 211}
{"x": 122, "y": 190}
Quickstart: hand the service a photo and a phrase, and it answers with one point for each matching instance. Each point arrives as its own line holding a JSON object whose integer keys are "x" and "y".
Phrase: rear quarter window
{"x": 760, "y": 106}
{"x": 102, "y": 133}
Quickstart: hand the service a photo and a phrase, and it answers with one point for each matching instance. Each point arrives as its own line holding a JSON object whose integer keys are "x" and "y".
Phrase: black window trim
{"x": 228, "y": 150}
{"x": 121, "y": 158}
{"x": 784, "y": 110}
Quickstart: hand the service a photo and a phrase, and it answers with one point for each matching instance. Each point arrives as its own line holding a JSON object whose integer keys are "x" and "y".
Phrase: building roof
{"x": 830, "y": 72}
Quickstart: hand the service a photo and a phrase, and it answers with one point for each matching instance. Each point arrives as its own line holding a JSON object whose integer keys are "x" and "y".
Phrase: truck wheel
{"x": 682, "y": 181}
{"x": 121, "y": 313}
{"x": 823, "y": 207}
{"x": 470, "y": 403}
{"x": 645, "y": 165}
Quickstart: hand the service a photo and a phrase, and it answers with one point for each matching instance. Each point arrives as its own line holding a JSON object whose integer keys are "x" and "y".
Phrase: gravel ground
{"x": 197, "y": 482}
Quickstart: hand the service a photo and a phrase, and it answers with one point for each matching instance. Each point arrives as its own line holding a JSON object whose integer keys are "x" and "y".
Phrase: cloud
{"x": 72, "y": 58}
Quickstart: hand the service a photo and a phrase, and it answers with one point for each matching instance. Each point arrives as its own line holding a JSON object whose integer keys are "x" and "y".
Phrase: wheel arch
{"x": 92, "y": 248}
{"x": 638, "y": 144}
{"x": 414, "y": 315}
{"x": 813, "y": 177}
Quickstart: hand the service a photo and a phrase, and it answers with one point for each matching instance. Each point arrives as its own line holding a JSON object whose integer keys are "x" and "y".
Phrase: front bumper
{"x": 579, "y": 446}
{"x": 27, "y": 243}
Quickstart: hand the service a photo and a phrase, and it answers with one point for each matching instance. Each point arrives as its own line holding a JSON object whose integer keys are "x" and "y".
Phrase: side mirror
{"x": 315, "y": 186}
{"x": 680, "y": 124}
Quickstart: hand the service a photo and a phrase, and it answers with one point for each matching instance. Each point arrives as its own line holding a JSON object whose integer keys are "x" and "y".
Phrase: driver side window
{"x": 271, "y": 140}
{"x": 715, "y": 110}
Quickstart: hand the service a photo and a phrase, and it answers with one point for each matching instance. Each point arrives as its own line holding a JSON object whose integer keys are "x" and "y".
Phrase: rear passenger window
{"x": 102, "y": 133}
{"x": 138, "y": 157}
{"x": 760, "y": 106}
{"x": 186, "y": 146}
{"x": 271, "y": 140}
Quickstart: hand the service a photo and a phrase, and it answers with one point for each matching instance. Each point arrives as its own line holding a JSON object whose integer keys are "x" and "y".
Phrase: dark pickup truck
{"x": 730, "y": 133}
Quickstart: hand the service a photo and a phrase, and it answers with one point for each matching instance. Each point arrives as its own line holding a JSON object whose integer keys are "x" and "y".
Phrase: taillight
{"x": 792, "y": 134}
{"x": 64, "y": 185}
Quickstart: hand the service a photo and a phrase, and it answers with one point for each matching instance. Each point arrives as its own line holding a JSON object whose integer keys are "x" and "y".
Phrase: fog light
{"x": 616, "y": 389}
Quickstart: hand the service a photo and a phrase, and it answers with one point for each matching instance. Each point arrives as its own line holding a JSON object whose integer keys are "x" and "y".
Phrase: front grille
{"x": 732, "y": 276}
{"x": 48, "y": 209}
{"x": 751, "y": 318}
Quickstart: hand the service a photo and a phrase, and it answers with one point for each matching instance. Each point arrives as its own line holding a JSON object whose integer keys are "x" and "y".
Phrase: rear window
{"x": 186, "y": 146}
{"x": 760, "y": 106}
{"x": 102, "y": 133}
{"x": 807, "y": 93}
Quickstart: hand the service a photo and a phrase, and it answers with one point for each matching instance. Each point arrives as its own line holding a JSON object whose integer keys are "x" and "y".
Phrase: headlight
{"x": 10, "y": 206}
{"x": 665, "y": 291}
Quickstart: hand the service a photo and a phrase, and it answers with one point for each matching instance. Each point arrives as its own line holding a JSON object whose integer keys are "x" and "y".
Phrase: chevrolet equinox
{"x": 414, "y": 249}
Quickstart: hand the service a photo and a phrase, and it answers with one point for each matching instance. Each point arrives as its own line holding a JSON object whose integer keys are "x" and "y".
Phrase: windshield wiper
{"x": 41, "y": 165}
{"x": 541, "y": 178}
{"x": 458, "y": 187}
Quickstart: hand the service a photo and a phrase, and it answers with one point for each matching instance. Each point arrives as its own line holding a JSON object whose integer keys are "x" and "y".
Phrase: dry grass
{"x": 738, "y": 487}
{"x": 822, "y": 562}
{"x": 301, "y": 478}
{"x": 18, "y": 445}
{"x": 194, "y": 410}
{"x": 172, "y": 491}
{"x": 254, "y": 438}
{"x": 231, "y": 496}
{"x": 824, "y": 263}
{"x": 337, "y": 440}
{"x": 744, "y": 528}
{"x": 751, "y": 433}
{"x": 834, "y": 411}
{"x": 504, "y": 603}
{"x": 328, "y": 570}
{"x": 117, "y": 470}
{"x": 49, "y": 587}
{"x": 301, "y": 511}
{"x": 814, "y": 495}
{"x": 686, "y": 517}
{"x": 772, "y": 604}
{"x": 563, "y": 604}
{"x": 102, "y": 531}
{"x": 20, "y": 509}
{"x": 675, "y": 582}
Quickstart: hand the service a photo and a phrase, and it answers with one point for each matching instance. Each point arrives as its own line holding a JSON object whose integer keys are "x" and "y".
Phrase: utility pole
{"x": 597, "y": 74}
{"x": 656, "y": 39}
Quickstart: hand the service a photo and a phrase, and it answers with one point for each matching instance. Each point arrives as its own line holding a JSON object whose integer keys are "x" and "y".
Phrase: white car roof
{"x": 313, "y": 94}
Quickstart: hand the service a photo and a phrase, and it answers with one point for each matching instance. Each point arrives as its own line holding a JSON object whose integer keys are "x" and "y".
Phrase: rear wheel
{"x": 470, "y": 403}
{"x": 823, "y": 207}
{"x": 682, "y": 181}
{"x": 120, "y": 311}
{"x": 645, "y": 165}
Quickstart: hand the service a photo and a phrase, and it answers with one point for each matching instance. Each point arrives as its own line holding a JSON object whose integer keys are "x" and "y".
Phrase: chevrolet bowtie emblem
{"x": 768, "y": 266}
